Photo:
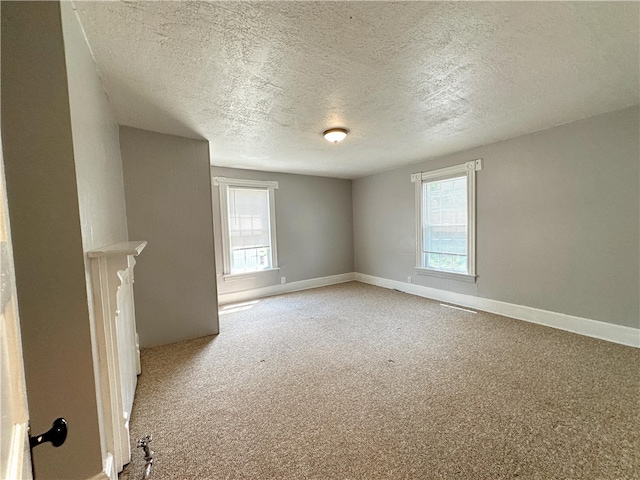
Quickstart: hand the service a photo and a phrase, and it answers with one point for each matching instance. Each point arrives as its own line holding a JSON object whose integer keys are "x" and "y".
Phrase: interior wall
{"x": 557, "y": 220}
{"x": 96, "y": 143}
{"x": 314, "y": 228}
{"x": 168, "y": 198}
{"x": 47, "y": 238}
{"x": 96, "y": 147}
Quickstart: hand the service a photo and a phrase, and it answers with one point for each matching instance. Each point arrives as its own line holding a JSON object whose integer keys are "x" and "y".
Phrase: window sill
{"x": 229, "y": 277}
{"x": 464, "y": 277}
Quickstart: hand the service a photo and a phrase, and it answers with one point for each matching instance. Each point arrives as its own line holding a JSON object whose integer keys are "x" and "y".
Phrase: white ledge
{"x": 123, "y": 248}
{"x": 244, "y": 275}
{"x": 464, "y": 277}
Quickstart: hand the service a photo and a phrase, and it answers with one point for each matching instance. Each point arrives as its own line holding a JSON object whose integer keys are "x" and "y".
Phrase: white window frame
{"x": 224, "y": 183}
{"x": 469, "y": 169}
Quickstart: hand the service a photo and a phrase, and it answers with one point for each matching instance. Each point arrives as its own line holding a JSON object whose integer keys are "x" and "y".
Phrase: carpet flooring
{"x": 358, "y": 382}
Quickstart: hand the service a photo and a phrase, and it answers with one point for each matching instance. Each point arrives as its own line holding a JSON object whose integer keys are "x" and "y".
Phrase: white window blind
{"x": 249, "y": 229}
{"x": 445, "y": 225}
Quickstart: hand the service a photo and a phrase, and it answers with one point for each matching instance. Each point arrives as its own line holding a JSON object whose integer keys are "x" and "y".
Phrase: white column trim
{"x": 118, "y": 364}
{"x": 224, "y": 223}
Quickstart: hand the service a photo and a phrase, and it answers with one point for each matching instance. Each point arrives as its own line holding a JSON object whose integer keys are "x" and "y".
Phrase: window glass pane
{"x": 249, "y": 229}
{"x": 444, "y": 224}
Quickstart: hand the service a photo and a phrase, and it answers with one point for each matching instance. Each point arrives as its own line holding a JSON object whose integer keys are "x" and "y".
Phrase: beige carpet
{"x": 359, "y": 382}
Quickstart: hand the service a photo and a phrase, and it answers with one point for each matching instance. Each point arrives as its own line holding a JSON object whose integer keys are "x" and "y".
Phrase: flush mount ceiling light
{"x": 335, "y": 135}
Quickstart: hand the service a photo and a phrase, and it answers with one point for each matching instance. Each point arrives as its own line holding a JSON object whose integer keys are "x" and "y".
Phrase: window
{"x": 445, "y": 221}
{"x": 248, "y": 225}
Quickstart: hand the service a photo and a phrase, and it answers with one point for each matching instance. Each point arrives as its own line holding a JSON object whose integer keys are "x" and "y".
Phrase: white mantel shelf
{"x": 123, "y": 248}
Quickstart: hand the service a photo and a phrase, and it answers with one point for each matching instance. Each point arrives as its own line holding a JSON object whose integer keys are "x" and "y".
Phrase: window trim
{"x": 470, "y": 169}
{"x": 224, "y": 183}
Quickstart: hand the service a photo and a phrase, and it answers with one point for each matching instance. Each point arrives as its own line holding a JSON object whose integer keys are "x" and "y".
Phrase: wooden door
{"x": 15, "y": 456}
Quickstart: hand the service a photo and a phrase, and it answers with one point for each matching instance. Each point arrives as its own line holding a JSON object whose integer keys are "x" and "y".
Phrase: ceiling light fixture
{"x": 335, "y": 135}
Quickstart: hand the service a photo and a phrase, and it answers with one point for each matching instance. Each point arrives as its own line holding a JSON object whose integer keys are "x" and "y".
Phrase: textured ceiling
{"x": 411, "y": 80}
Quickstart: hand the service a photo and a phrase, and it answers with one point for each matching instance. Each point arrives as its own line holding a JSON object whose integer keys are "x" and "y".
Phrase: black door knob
{"x": 57, "y": 434}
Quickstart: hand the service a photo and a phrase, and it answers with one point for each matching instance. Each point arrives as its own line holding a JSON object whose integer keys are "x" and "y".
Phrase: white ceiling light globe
{"x": 335, "y": 135}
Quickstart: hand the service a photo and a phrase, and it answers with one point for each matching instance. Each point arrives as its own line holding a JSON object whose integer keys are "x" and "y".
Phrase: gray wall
{"x": 47, "y": 238}
{"x": 314, "y": 228}
{"x": 96, "y": 143}
{"x": 558, "y": 220}
{"x": 96, "y": 149}
{"x": 168, "y": 197}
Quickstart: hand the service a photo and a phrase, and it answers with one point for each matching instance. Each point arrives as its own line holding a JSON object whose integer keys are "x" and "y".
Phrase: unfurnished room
{"x": 320, "y": 240}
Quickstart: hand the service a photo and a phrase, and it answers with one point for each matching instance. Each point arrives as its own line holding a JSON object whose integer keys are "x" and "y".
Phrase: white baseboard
{"x": 583, "y": 326}
{"x": 284, "y": 288}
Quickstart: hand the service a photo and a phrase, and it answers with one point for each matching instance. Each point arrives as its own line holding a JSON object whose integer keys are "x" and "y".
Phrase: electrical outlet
{"x": 408, "y": 279}
{"x": 283, "y": 279}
